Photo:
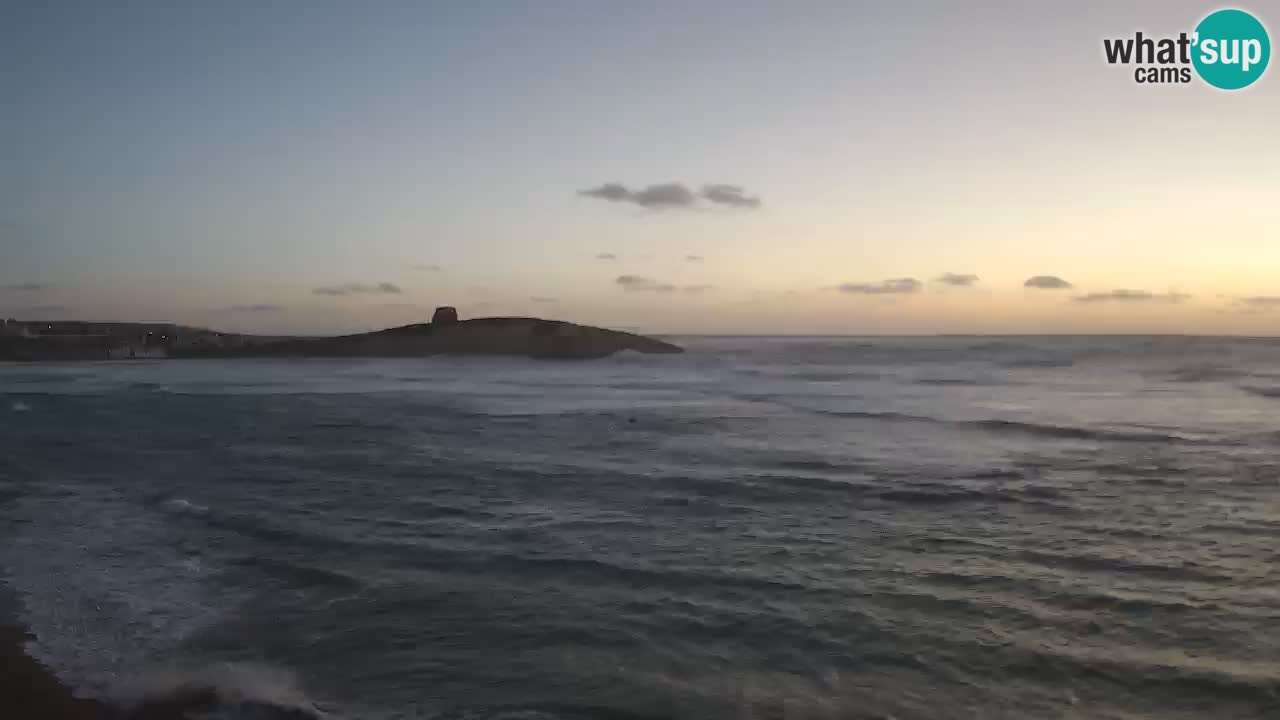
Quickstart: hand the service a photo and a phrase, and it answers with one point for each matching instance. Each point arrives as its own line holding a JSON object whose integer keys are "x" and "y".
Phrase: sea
{"x": 891, "y": 528}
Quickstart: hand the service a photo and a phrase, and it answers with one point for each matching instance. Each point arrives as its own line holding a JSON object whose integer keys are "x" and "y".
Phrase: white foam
{"x": 233, "y": 683}
{"x": 184, "y": 506}
{"x": 104, "y": 588}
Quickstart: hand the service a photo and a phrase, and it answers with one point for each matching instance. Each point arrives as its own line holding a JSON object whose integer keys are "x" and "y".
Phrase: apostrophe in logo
{"x": 1231, "y": 49}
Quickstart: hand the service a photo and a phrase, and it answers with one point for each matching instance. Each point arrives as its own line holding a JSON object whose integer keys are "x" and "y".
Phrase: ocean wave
{"x": 232, "y": 691}
{"x": 561, "y": 711}
{"x": 946, "y": 496}
{"x": 1101, "y": 563}
{"x": 1202, "y": 373}
{"x": 873, "y": 415}
{"x": 952, "y": 382}
{"x": 1068, "y": 432}
{"x": 182, "y": 506}
{"x": 759, "y": 489}
{"x": 1038, "y": 363}
{"x": 807, "y": 374}
{"x": 818, "y": 465}
{"x": 1170, "y": 673}
{"x": 1254, "y": 528}
{"x": 1140, "y": 606}
{"x": 589, "y": 571}
{"x": 300, "y": 574}
{"x": 999, "y": 346}
{"x": 1062, "y": 432}
{"x": 1266, "y": 391}
{"x": 352, "y": 425}
{"x": 266, "y": 525}
{"x": 998, "y": 474}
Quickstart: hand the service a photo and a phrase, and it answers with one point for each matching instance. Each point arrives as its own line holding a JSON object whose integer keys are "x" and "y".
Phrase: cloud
{"x": 693, "y": 258}
{"x": 636, "y": 283}
{"x": 958, "y": 280}
{"x": 895, "y": 286}
{"x": 1131, "y": 296}
{"x": 541, "y": 299}
{"x": 260, "y": 308}
{"x": 654, "y": 197}
{"x": 422, "y": 267}
{"x": 672, "y": 195}
{"x": 664, "y": 195}
{"x": 41, "y": 310}
{"x": 1047, "y": 282}
{"x": 382, "y": 288}
{"x": 1260, "y": 303}
{"x": 25, "y": 287}
{"x": 730, "y": 195}
{"x": 613, "y": 192}
{"x": 606, "y": 256}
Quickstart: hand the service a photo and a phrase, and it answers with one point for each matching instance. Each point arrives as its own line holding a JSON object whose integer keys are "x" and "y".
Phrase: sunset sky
{"x": 726, "y": 167}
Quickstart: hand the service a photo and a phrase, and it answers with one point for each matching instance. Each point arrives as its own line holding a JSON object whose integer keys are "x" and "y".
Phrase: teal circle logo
{"x": 1231, "y": 49}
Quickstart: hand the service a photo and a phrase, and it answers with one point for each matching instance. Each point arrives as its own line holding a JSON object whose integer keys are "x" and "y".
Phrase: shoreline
{"x": 28, "y": 689}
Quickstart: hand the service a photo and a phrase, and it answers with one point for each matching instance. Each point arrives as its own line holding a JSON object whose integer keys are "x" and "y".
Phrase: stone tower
{"x": 444, "y": 315}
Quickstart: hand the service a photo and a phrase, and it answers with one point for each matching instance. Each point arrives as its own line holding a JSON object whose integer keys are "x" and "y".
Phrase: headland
{"x": 445, "y": 334}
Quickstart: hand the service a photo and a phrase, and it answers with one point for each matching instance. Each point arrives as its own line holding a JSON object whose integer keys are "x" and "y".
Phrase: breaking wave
{"x": 1063, "y": 432}
{"x": 233, "y": 691}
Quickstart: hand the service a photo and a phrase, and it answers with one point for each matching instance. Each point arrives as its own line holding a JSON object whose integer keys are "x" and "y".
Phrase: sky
{"x": 675, "y": 167}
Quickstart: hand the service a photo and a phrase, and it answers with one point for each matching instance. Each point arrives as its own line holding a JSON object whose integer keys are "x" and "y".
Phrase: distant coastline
{"x": 445, "y": 334}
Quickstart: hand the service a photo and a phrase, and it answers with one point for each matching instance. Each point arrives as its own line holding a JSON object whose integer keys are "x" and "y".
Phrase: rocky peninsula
{"x": 445, "y": 334}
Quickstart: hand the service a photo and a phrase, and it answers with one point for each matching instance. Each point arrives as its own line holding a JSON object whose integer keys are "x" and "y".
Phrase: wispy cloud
{"x": 25, "y": 287}
{"x": 637, "y": 283}
{"x": 606, "y": 256}
{"x": 1047, "y": 282}
{"x": 661, "y": 196}
{"x": 259, "y": 308}
{"x": 957, "y": 279}
{"x": 1131, "y": 296}
{"x": 673, "y": 195}
{"x": 1259, "y": 303}
{"x": 730, "y": 195}
{"x": 423, "y": 267}
{"x": 894, "y": 286}
{"x": 382, "y": 288}
{"x": 41, "y": 310}
{"x": 693, "y": 258}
